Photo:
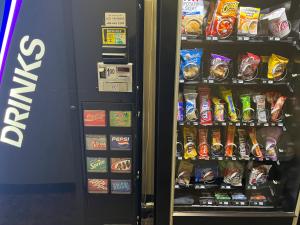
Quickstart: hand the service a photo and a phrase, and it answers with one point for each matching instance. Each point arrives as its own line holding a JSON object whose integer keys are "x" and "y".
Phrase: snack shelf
{"x": 188, "y": 40}
{"x": 234, "y": 158}
{"x": 235, "y": 81}
{"x": 247, "y": 205}
{"x": 222, "y": 186}
{"x": 237, "y": 124}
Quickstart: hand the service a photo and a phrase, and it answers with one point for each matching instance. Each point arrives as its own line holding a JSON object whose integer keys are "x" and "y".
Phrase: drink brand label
{"x": 120, "y": 118}
{"x": 121, "y": 186}
{"x": 121, "y": 142}
{"x": 96, "y": 165}
{"x": 120, "y": 165}
{"x": 94, "y": 118}
{"x": 99, "y": 186}
{"x": 95, "y": 142}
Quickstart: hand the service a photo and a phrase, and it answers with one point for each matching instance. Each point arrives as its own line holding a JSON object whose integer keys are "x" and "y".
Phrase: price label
{"x": 277, "y": 39}
{"x": 176, "y": 186}
{"x": 179, "y": 158}
{"x": 270, "y": 82}
{"x": 202, "y": 187}
{"x": 240, "y": 81}
{"x": 181, "y": 81}
{"x": 266, "y": 124}
{"x": 184, "y": 38}
{"x": 196, "y": 123}
{"x": 208, "y": 38}
{"x": 240, "y": 38}
{"x": 242, "y": 203}
{"x": 205, "y": 81}
{"x": 261, "y": 203}
{"x": 280, "y": 124}
{"x": 280, "y": 150}
{"x": 211, "y": 81}
{"x": 238, "y": 124}
{"x": 209, "y": 203}
{"x": 271, "y": 38}
{"x": 224, "y": 124}
{"x": 264, "y": 81}
{"x": 220, "y": 158}
{"x": 225, "y": 203}
{"x": 233, "y": 158}
{"x": 251, "y": 124}
{"x": 215, "y": 38}
{"x": 246, "y": 38}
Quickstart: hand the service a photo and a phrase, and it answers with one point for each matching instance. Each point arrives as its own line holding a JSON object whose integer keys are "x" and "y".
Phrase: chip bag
{"x": 221, "y": 22}
{"x": 248, "y": 21}
{"x": 219, "y": 67}
{"x": 259, "y": 174}
{"x": 248, "y": 66}
{"x": 184, "y": 172}
{"x": 233, "y": 172}
{"x": 277, "y": 66}
{"x": 189, "y": 139}
{"x": 193, "y": 14}
{"x": 190, "y": 63}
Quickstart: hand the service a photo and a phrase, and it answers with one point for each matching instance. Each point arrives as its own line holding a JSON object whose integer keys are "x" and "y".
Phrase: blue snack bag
{"x": 190, "y": 63}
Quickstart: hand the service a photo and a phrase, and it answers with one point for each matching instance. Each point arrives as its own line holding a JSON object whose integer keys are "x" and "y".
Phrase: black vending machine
{"x": 227, "y": 141}
{"x": 108, "y": 37}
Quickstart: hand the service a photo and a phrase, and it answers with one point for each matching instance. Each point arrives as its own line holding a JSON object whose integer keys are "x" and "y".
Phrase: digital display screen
{"x": 9, "y": 10}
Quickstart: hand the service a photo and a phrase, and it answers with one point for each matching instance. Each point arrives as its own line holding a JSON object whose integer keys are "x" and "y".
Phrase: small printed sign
{"x": 95, "y": 142}
{"x": 121, "y": 186}
{"x": 98, "y": 186}
{"x": 114, "y": 36}
{"x": 96, "y": 165}
{"x": 120, "y": 142}
{"x": 120, "y": 165}
{"x": 120, "y": 118}
{"x": 115, "y": 19}
{"x": 94, "y": 118}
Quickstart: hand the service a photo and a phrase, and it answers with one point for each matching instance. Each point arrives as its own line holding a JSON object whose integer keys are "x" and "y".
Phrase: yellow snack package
{"x": 277, "y": 66}
{"x": 248, "y": 21}
{"x": 189, "y": 138}
{"x": 227, "y": 96}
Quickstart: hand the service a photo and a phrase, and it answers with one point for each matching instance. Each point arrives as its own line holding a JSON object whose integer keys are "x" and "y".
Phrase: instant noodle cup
{"x": 221, "y": 22}
{"x": 277, "y": 66}
{"x": 248, "y": 21}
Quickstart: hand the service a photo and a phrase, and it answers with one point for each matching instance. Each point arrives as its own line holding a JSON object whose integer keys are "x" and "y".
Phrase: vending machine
{"x": 227, "y": 145}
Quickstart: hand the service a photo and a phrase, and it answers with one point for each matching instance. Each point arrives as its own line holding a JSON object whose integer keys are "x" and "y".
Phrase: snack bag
{"x": 230, "y": 141}
{"x": 190, "y": 105}
{"x": 243, "y": 146}
{"x": 248, "y": 66}
{"x": 255, "y": 150}
{"x": 277, "y": 66}
{"x": 221, "y": 22}
{"x": 193, "y": 14}
{"x": 246, "y": 108}
{"x": 203, "y": 148}
{"x": 189, "y": 139}
{"x": 261, "y": 113}
{"x": 259, "y": 174}
{"x": 227, "y": 96}
{"x": 248, "y": 21}
{"x": 216, "y": 143}
{"x": 184, "y": 172}
{"x": 190, "y": 63}
{"x": 180, "y": 109}
{"x": 206, "y": 174}
{"x": 233, "y": 172}
{"x": 205, "y": 106}
{"x": 219, "y": 110}
{"x": 277, "y": 109}
{"x": 219, "y": 67}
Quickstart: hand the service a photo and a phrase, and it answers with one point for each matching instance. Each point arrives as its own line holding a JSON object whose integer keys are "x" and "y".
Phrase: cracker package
{"x": 190, "y": 137}
{"x": 277, "y": 66}
{"x": 222, "y": 19}
{"x": 193, "y": 14}
{"x": 248, "y": 21}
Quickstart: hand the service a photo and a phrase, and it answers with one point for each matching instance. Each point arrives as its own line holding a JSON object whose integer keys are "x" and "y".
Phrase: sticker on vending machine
{"x": 96, "y": 165}
{"x": 121, "y": 142}
{"x": 120, "y": 165}
{"x": 98, "y": 186}
{"x": 121, "y": 186}
{"x": 114, "y": 36}
{"x": 95, "y": 142}
{"x": 120, "y": 118}
{"x": 94, "y": 118}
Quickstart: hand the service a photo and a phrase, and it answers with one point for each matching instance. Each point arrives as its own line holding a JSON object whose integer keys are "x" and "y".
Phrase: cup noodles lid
{"x": 274, "y": 14}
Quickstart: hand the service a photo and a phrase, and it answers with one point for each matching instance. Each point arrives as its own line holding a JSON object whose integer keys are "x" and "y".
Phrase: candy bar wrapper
{"x": 259, "y": 174}
{"x": 248, "y": 21}
{"x": 248, "y": 66}
{"x": 261, "y": 113}
{"x": 205, "y": 106}
{"x": 227, "y": 96}
{"x": 190, "y": 135}
{"x": 180, "y": 109}
{"x": 190, "y": 63}
{"x": 219, "y": 66}
{"x": 230, "y": 141}
{"x": 243, "y": 147}
{"x": 233, "y": 172}
{"x": 190, "y": 106}
{"x": 216, "y": 143}
{"x": 219, "y": 110}
{"x": 221, "y": 22}
{"x": 193, "y": 14}
{"x": 203, "y": 149}
{"x": 277, "y": 110}
{"x": 256, "y": 151}
{"x": 277, "y": 66}
{"x": 247, "y": 110}
{"x": 185, "y": 170}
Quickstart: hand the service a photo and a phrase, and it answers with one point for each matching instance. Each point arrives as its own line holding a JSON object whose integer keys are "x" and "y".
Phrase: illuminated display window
{"x": 9, "y": 10}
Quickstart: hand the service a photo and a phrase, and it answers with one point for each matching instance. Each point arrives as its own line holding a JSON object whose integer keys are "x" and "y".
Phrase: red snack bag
{"x": 205, "y": 106}
{"x": 221, "y": 21}
{"x": 203, "y": 147}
